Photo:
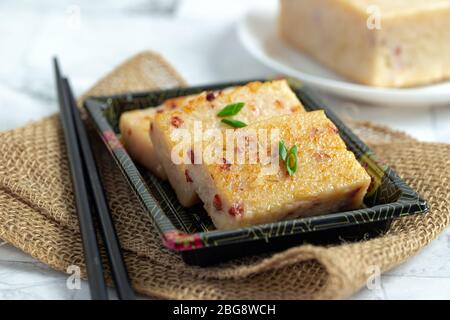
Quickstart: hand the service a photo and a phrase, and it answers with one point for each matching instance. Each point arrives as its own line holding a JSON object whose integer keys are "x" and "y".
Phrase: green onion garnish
{"x": 282, "y": 150}
{"x": 291, "y": 161}
{"x": 234, "y": 123}
{"x": 231, "y": 109}
{"x": 290, "y": 158}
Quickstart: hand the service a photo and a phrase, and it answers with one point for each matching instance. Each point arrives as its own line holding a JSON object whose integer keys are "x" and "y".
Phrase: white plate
{"x": 257, "y": 32}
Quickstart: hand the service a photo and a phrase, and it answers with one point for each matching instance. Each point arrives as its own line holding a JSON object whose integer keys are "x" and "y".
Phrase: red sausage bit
{"x": 237, "y": 209}
{"x": 191, "y": 156}
{"x": 332, "y": 128}
{"x": 225, "y": 165}
{"x": 217, "y": 202}
{"x": 188, "y": 177}
{"x": 210, "y": 96}
{"x": 176, "y": 121}
{"x": 279, "y": 104}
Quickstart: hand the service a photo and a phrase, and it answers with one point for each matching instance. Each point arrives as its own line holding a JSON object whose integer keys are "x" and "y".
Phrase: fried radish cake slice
{"x": 261, "y": 100}
{"x": 134, "y": 127}
{"x": 325, "y": 177}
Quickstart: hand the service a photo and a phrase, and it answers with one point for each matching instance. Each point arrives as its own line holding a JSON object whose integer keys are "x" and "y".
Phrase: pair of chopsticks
{"x": 90, "y": 200}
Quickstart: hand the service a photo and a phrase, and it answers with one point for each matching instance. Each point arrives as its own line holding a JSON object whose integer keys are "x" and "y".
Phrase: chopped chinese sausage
{"x": 236, "y": 209}
{"x": 217, "y": 202}
{"x": 176, "y": 121}
{"x": 188, "y": 177}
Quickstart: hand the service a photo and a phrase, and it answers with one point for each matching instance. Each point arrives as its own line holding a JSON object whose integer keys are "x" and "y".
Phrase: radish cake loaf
{"x": 382, "y": 43}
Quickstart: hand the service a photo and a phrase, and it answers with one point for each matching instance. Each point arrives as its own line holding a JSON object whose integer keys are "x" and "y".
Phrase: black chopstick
{"x": 110, "y": 240}
{"x": 92, "y": 256}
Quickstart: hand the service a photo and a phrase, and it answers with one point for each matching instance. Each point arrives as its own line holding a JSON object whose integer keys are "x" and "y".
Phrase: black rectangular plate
{"x": 190, "y": 230}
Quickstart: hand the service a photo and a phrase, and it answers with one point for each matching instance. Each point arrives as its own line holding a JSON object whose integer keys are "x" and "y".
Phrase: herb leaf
{"x": 291, "y": 161}
{"x": 234, "y": 123}
{"x": 282, "y": 150}
{"x": 290, "y": 158}
{"x": 231, "y": 109}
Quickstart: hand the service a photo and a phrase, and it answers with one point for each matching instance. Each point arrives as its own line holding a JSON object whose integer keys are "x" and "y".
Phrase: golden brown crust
{"x": 328, "y": 177}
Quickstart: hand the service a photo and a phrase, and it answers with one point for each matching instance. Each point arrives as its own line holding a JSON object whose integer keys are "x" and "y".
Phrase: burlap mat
{"x": 37, "y": 213}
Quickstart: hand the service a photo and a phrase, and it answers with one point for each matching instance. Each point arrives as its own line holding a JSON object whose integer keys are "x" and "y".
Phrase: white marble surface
{"x": 198, "y": 37}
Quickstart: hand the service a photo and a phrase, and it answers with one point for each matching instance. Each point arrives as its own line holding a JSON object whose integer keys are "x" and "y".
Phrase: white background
{"x": 199, "y": 38}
